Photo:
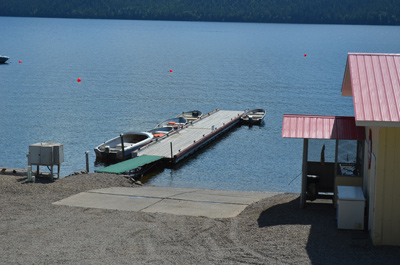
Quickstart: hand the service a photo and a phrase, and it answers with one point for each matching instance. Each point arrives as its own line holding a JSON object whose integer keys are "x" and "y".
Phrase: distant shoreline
{"x": 171, "y": 20}
{"x": 348, "y": 12}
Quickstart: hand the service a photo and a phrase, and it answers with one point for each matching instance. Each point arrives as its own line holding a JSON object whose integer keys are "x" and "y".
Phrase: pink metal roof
{"x": 321, "y": 127}
{"x": 374, "y": 82}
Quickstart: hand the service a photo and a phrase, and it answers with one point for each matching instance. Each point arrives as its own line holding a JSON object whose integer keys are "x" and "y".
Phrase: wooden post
{"x": 172, "y": 154}
{"x": 122, "y": 146}
{"x": 87, "y": 161}
{"x": 304, "y": 175}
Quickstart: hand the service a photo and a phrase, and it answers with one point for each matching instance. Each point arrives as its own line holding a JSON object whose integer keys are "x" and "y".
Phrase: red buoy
{"x": 79, "y": 80}
{"x": 170, "y": 71}
{"x": 305, "y": 54}
{"x": 19, "y": 61}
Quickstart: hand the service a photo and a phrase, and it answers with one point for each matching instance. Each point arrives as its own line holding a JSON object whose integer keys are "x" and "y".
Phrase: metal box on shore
{"x": 46, "y": 154}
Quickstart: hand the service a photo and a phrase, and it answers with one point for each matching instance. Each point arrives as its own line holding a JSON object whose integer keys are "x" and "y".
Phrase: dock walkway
{"x": 185, "y": 141}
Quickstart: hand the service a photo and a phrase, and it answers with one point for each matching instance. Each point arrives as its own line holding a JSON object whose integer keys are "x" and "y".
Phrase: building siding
{"x": 386, "y": 223}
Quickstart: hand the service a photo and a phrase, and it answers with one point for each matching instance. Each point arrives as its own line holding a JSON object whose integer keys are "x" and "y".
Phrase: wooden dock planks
{"x": 193, "y": 133}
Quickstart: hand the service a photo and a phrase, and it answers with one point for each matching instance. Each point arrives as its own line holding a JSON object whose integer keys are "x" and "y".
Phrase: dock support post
{"x": 122, "y": 146}
{"x": 87, "y": 161}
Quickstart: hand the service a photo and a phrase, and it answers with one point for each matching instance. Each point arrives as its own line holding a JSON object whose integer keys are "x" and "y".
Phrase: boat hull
{"x": 161, "y": 131}
{"x": 117, "y": 150}
{"x": 174, "y": 122}
{"x": 3, "y": 59}
{"x": 253, "y": 117}
{"x": 191, "y": 115}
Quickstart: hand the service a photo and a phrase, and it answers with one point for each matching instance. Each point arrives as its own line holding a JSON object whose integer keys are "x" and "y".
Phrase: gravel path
{"x": 272, "y": 231}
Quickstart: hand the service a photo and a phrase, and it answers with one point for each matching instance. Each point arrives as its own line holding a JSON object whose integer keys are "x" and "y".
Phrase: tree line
{"x": 371, "y": 12}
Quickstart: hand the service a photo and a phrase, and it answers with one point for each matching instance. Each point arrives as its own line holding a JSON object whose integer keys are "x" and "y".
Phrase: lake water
{"x": 127, "y": 86}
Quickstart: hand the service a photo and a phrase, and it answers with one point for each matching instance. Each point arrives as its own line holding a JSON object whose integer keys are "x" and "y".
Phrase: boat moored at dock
{"x": 255, "y": 116}
{"x": 191, "y": 115}
{"x": 120, "y": 147}
{"x": 173, "y": 122}
{"x": 161, "y": 131}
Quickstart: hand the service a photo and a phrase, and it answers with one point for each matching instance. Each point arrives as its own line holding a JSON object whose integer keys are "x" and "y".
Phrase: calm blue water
{"x": 126, "y": 85}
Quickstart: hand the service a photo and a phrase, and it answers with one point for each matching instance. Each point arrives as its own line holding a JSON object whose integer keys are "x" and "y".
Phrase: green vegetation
{"x": 373, "y": 12}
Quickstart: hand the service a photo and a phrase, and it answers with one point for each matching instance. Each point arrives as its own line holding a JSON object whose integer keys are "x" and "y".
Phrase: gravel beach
{"x": 271, "y": 231}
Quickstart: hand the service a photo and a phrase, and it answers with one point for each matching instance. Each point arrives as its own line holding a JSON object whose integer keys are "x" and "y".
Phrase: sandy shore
{"x": 272, "y": 231}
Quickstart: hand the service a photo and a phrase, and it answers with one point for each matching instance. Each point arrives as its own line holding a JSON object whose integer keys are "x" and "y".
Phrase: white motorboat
{"x": 121, "y": 147}
{"x": 255, "y": 116}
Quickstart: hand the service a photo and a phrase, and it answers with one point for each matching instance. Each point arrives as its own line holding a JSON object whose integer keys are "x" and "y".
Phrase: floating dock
{"x": 130, "y": 164}
{"x": 181, "y": 143}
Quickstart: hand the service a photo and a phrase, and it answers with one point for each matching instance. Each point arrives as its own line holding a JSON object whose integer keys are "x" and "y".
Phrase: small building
{"x": 373, "y": 80}
{"x": 332, "y": 139}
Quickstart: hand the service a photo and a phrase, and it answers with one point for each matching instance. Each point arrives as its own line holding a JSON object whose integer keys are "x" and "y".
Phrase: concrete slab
{"x": 193, "y": 208}
{"x": 107, "y": 201}
{"x": 232, "y": 197}
{"x": 145, "y": 191}
{"x": 179, "y": 201}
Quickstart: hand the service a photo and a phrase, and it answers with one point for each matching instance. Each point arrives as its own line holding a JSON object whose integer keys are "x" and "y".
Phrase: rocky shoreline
{"x": 271, "y": 231}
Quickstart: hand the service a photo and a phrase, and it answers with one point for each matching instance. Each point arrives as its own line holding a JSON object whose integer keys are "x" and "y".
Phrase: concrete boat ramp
{"x": 178, "y": 201}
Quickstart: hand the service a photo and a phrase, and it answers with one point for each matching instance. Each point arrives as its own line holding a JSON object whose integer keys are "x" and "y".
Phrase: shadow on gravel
{"x": 41, "y": 178}
{"x": 327, "y": 244}
{"x": 38, "y": 179}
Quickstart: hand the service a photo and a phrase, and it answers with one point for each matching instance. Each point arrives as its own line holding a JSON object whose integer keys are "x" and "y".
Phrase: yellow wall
{"x": 386, "y": 220}
{"x": 368, "y": 184}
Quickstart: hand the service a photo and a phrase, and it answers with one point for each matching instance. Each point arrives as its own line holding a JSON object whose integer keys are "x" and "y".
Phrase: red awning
{"x": 374, "y": 82}
{"x": 321, "y": 127}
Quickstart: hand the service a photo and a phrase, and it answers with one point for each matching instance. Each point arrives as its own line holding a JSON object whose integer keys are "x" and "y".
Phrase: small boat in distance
{"x": 255, "y": 116}
{"x": 191, "y": 115}
{"x": 174, "y": 122}
{"x": 121, "y": 147}
{"x": 3, "y": 58}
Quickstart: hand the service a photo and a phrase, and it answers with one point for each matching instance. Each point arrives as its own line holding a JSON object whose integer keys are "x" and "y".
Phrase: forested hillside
{"x": 373, "y": 12}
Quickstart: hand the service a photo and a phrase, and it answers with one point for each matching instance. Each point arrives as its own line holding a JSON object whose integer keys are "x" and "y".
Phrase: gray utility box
{"x": 46, "y": 154}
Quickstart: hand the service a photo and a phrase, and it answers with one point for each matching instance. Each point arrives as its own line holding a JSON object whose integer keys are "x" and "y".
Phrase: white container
{"x": 350, "y": 208}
